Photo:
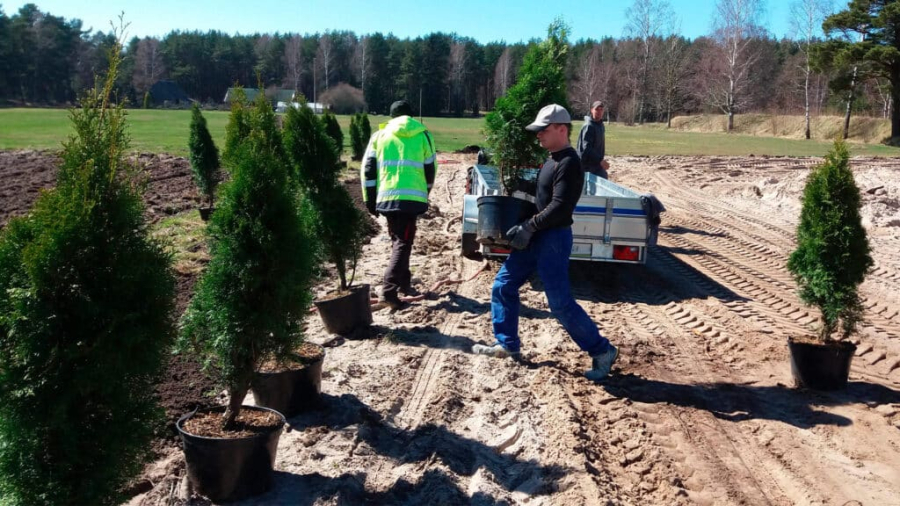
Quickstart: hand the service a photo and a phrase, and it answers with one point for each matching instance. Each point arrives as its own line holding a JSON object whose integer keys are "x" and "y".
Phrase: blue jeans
{"x": 548, "y": 253}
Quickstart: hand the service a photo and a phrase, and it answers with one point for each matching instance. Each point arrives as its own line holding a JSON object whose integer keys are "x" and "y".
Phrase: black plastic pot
{"x": 289, "y": 392}
{"x": 821, "y": 366}
{"x": 230, "y": 469}
{"x": 499, "y": 213}
{"x": 205, "y": 213}
{"x": 343, "y": 315}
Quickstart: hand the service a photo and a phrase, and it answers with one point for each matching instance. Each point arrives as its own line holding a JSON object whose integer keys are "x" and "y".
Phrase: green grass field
{"x": 167, "y": 131}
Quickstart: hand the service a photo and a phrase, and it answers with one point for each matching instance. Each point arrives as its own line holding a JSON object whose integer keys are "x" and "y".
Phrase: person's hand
{"x": 604, "y": 164}
{"x": 371, "y": 208}
{"x": 520, "y": 235}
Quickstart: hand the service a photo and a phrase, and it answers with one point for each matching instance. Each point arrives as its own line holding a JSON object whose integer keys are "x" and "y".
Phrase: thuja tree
{"x": 360, "y": 131}
{"x": 832, "y": 255}
{"x": 238, "y": 127}
{"x": 333, "y": 128}
{"x": 86, "y": 297}
{"x": 339, "y": 227}
{"x": 204, "y": 155}
{"x": 541, "y": 81}
{"x": 365, "y": 129}
{"x": 256, "y": 288}
{"x": 356, "y": 142}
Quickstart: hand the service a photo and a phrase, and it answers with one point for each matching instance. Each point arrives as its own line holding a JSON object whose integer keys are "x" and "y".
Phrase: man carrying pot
{"x": 592, "y": 142}
{"x": 398, "y": 172}
{"x": 543, "y": 243}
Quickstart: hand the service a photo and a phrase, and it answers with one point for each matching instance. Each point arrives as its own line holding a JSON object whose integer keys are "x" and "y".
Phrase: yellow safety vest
{"x": 401, "y": 147}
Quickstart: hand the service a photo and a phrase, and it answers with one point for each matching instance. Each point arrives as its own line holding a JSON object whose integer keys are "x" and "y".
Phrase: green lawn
{"x": 167, "y": 131}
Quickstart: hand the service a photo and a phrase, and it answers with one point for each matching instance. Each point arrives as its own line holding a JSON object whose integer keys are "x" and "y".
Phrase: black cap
{"x": 400, "y": 108}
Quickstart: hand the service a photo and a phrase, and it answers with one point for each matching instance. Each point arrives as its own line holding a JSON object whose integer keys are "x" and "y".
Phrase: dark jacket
{"x": 592, "y": 145}
{"x": 653, "y": 207}
{"x": 559, "y": 187}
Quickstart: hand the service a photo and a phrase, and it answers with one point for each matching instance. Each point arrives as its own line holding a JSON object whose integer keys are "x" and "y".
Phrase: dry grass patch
{"x": 862, "y": 129}
{"x": 184, "y": 236}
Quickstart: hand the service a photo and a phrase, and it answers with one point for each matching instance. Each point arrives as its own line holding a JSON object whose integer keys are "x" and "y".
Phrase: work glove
{"x": 520, "y": 235}
{"x": 371, "y": 207}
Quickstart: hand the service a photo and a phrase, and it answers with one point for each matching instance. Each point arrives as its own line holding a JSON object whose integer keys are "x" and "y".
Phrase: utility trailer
{"x": 610, "y": 221}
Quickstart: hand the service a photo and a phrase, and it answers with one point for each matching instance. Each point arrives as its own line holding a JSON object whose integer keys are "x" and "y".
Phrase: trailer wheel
{"x": 470, "y": 247}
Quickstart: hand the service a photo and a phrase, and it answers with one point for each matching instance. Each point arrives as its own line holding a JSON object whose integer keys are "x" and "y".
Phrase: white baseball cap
{"x": 553, "y": 113}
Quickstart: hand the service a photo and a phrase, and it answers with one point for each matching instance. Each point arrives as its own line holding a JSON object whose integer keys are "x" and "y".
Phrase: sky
{"x": 483, "y": 20}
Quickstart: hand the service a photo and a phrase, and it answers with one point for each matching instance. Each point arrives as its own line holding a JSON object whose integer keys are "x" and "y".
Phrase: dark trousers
{"x": 548, "y": 255}
{"x": 402, "y": 229}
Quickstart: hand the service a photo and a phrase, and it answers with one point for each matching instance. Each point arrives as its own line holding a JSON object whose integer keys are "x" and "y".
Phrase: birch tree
{"x": 807, "y": 17}
{"x": 503, "y": 73}
{"x": 294, "y": 63}
{"x": 148, "y": 65}
{"x": 734, "y": 30}
{"x": 648, "y": 20}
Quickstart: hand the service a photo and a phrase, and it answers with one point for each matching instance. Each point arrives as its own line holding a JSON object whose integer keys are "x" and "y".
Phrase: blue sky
{"x": 483, "y": 20}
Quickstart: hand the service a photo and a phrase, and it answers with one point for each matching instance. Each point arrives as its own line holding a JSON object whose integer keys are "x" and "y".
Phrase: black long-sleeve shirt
{"x": 559, "y": 187}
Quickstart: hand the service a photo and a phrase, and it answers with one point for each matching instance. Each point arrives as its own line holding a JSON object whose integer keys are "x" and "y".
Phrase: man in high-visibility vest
{"x": 398, "y": 171}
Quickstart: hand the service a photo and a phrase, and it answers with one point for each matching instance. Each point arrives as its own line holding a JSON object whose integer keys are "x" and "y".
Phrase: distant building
{"x": 315, "y": 106}
{"x": 168, "y": 93}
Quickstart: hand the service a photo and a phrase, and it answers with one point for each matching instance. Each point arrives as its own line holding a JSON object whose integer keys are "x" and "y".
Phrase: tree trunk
{"x": 235, "y": 399}
{"x": 895, "y": 99}
{"x": 850, "y": 104}
{"x": 730, "y": 101}
{"x": 669, "y": 117}
{"x": 806, "y": 96}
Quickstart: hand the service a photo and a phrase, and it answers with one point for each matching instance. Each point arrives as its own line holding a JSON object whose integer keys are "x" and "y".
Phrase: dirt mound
{"x": 862, "y": 129}
{"x": 22, "y": 175}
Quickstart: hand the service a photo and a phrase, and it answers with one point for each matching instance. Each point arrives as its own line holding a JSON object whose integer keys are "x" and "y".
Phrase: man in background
{"x": 592, "y": 142}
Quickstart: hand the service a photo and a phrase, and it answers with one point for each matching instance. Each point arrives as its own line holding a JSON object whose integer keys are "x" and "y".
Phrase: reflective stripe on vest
{"x": 402, "y": 163}
{"x": 401, "y": 160}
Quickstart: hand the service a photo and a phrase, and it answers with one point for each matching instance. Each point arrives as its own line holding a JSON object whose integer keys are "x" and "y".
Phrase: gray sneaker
{"x": 601, "y": 364}
{"x": 496, "y": 350}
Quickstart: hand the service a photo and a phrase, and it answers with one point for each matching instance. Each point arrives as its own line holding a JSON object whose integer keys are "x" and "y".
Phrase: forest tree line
{"x": 649, "y": 74}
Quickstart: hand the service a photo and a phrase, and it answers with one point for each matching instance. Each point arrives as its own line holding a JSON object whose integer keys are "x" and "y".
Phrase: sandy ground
{"x": 700, "y": 409}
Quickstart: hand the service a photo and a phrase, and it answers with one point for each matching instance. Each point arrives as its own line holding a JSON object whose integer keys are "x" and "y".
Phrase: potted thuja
{"x": 204, "y": 158}
{"x": 246, "y": 312}
{"x": 540, "y": 82}
{"x": 86, "y": 298}
{"x": 830, "y": 262}
{"x": 339, "y": 225}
